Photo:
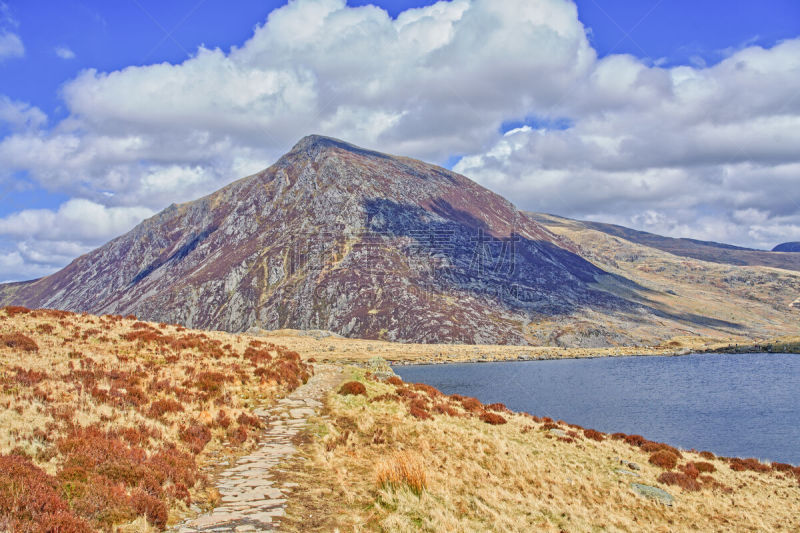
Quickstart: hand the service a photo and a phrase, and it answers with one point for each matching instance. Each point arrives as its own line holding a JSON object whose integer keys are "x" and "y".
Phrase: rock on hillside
{"x": 336, "y": 237}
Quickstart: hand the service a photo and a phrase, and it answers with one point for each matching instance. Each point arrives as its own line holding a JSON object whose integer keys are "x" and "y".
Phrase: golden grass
{"x": 401, "y": 469}
{"x": 518, "y": 476}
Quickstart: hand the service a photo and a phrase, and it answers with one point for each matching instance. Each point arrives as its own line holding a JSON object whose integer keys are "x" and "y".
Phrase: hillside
{"x": 374, "y": 246}
{"x": 109, "y": 421}
{"x": 713, "y": 252}
{"x": 404, "y": 457}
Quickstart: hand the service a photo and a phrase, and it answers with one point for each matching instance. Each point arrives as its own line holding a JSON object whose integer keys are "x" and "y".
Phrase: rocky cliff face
{"x": 336, "y": 237}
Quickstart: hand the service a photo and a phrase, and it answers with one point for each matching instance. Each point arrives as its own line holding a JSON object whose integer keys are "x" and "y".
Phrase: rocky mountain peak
{"x": 335, "y": 237}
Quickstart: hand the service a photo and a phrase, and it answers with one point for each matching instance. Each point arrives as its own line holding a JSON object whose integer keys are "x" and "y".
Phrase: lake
{"x": 745, "y": 405}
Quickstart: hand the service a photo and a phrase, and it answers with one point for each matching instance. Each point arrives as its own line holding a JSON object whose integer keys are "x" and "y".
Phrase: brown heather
{"x": 112, "y": 424}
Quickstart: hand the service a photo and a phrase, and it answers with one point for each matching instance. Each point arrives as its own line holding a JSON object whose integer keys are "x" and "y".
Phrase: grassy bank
{"x": 111, "y": 422}
{"x": 402, "y": 457}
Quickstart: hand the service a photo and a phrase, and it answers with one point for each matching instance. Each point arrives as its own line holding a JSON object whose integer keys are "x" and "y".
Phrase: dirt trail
{"x": 251, "y": 498}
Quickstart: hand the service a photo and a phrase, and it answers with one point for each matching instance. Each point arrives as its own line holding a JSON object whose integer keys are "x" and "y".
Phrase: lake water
{"x": 733, "y": 405}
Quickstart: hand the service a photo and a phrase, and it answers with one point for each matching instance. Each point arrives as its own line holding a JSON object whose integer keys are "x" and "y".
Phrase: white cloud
{"x": 46, "y": 239}
{"x": 77, "y": 220}
{"x": 675, "y": 149}
{"x": 10, "y": 46}
{"x": 19, "y": 115}
{"x": 64, "y": 52}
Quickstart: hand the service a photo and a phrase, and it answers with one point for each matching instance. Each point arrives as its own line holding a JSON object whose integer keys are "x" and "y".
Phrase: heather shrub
{"x": 402, "y": 469}
{"x": 635, "y": 440}
{"x": 754, "y": 465}
{"x": 782, "y": 467}
{"x": 593, "y": 434}
{"x": 14, "y": 310}
{"x": 708, "y": 456}
{"x": 679, "y": 479}
{"x": 418, "y": 408}
{"x": 473, "y": 405}
{"x": 493, "y": 418}
{"x": 651, "y": 447}
{"x": 29, "y": 499}
{"x": 196, "y": 436}
{"x": 427, "y": 389}
{"x": 161, "y": 407}
{"x": 704, "y": 467}
{"x": 664, "y": 459}
{"x": 353, "y": 388}
{"x": 393, "y": 380}
{"x": 498, "y": 407}
{"x": 18, "y": 341}
{"x": 444, "y": 409}
{"x": 690, "y": 469}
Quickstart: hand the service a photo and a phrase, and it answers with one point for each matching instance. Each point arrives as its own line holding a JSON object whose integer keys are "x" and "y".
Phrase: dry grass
{"x": 517, "y": 476}
{"x": 117, "y": 422}
{"x": 400, "y": 470}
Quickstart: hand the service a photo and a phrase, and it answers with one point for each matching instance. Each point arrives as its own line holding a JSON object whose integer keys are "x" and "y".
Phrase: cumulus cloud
{"x": 47, "y": 239}
{"x": 64, "y": 52}
{"x": 20, "y": 115}
{"x": 680, "y": 150}
{"x": 77, "y": 219}
{"x": 709, "y": 152}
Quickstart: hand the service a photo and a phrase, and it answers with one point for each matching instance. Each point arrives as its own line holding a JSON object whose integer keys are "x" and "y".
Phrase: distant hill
{"x": 787, "y": 247}
{"x": 703, "y": 250}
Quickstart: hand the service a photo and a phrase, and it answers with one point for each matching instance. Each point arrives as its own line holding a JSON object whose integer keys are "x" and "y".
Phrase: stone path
{"x": 251, "y": 501}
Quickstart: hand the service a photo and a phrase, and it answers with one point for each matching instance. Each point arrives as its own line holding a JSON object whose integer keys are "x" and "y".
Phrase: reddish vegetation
{"x": 353, "y": 387}
{"x": 14, "y": 310}
{"x": 753, "y": 465}
{"x": 498, "y": 407}
{"x": 635, "y": 440}
{"x": 196, "y": 436}
{"x": 493, "y": 418}
{"x": 708, "y": 455}
{"x": 473, "y": 405}
{"x": 29, "y": 498}
{"x": 18, "y": 341}
{"x": 161, "y": 407}
{"x": 681, "y": 480}
{"x": 593, "y": 434}
{"x": 394, "y": 380}
{"x": 664, "y": 459}
{"x": 651, "y": 446}
{"x": 690, "y": 469}
{"x": 704, "y": 467}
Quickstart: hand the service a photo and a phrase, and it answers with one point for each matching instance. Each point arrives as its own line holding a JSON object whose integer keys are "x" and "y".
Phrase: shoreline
{"x": 577, "y": 358}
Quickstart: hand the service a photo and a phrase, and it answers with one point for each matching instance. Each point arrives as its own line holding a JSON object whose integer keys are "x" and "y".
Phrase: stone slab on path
{"x": 251, "y": 501}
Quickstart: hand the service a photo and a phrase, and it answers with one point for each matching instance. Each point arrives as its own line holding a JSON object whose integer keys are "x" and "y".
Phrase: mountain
{"x": 340, "y": 238}
{"x": 335, "y": 237}
{"x": 787, "y": 247}
{"x": 704, "y": 250}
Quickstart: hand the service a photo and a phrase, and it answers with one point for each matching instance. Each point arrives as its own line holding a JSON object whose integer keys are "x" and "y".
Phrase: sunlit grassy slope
{"x": 482, "y": 468}
{"x": 108, "y": 421}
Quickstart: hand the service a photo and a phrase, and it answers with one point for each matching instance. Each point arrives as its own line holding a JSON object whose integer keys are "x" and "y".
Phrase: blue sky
{"x": 63, "y": 40}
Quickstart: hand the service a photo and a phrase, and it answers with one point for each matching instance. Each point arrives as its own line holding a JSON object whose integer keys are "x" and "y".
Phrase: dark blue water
{"x": 733, "y": 405}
